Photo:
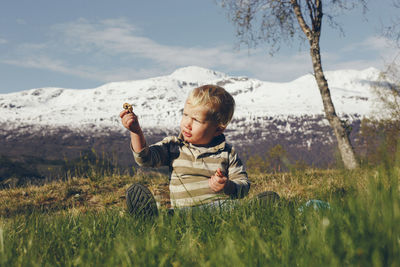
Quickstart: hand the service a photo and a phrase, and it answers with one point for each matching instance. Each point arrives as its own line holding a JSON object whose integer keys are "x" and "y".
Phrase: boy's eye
{"x": 193, "y": 118}
{"x": 197, "y": 120}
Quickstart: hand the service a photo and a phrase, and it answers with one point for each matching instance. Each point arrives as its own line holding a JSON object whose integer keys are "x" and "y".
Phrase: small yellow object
{"x": 128, "y": 107}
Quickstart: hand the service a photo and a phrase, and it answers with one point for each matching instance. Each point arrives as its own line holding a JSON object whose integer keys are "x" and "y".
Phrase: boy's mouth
{"x": 186, "y": 134}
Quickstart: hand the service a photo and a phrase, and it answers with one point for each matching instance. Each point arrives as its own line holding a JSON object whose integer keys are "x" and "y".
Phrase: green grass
{"x": 361, "y": 228}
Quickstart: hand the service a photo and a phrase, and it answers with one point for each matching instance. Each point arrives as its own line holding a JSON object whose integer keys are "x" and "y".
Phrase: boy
{"x": 203, "y": 168}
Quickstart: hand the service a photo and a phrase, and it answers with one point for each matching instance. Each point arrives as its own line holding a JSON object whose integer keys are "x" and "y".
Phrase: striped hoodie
{"x": 191, "y": 166}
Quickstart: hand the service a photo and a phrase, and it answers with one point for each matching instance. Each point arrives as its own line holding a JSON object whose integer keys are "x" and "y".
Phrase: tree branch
{"x": 303, "y": 25}
{"x": 318, "y": 17}
{"x": 311, "y": 10}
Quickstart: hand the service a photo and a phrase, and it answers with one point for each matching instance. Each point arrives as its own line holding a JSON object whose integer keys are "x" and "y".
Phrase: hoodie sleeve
{"x": 238, "y": 175}
{"x": 155, "y": 155}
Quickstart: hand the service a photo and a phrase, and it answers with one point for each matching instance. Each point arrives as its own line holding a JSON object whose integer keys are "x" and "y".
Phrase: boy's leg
{"x": 140, "y": 201}
{"x": 267, "y": 197}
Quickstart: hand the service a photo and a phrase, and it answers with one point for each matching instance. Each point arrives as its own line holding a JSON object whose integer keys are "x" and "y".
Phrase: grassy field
{"x": 82, "y": 222}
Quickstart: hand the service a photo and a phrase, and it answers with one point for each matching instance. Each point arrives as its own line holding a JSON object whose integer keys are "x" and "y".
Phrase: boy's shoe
{"x": 140, "y": 201}
{"x": 267, "y": 197}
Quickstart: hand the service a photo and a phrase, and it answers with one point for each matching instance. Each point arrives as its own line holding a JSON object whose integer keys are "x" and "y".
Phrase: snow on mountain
{"x": 158, "y": 101}
{"x": 196, "y": 74}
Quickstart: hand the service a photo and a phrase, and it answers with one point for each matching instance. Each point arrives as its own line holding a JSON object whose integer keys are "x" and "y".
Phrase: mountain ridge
{"x": 158, "y": 101}
{"x": 54, "y": 124}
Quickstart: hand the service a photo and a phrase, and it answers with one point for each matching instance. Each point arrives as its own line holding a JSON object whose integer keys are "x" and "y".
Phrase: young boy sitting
{"x": 203, "y": 168}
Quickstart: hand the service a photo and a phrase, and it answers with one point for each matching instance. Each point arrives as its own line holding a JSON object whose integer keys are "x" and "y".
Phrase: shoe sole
{"x": 268, "y": 197}
{"x": 140, "y": 201}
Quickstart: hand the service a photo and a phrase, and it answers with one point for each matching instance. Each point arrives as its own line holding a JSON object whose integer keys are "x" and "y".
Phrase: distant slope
{"x": 158, "y": 101}
{"x": 58, "y": 124}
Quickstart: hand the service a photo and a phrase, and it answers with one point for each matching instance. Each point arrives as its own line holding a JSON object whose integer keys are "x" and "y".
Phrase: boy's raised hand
{"x": 130, "y": 121}
{"x": 218, "y": 181}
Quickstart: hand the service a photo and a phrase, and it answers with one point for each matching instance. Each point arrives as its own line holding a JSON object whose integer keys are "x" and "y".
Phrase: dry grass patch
{"x": 77, "y": 194}
{"x": 83, "y": 194}
{"x": 311, "y": 183}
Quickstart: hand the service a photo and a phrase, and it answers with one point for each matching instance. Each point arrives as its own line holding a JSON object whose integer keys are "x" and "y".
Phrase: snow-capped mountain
{"x": 54, "y": 123}
{"x": 159, "y": 101}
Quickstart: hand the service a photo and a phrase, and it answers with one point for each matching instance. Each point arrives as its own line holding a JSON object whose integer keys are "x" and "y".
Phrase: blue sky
{"x": 86, "y": 43}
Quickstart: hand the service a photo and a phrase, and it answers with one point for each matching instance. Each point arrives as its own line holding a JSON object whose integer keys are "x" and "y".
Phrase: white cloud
{"x": 373, "y": 51}
{"x": 42, "y": 62}
{"x": 374, "y": 45}
{"x": 88, "y": 72}
{"x": 3, "y": 41}
{"x": 21, "y": 21}
{"x": 119, "y": 38}
{"x": 31, "y": 48}
{"x": 114, "y": 49}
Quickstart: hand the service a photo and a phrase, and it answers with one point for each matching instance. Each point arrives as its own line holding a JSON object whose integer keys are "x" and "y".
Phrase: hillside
{"x": 45, "y": 126}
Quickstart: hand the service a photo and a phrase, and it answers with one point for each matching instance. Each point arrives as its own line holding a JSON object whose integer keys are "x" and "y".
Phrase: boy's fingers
{"x": 122, "y": 113}
{"x": 128, "y": 122}
{"x": 220, "y": 180}
{"x": 128, "y": 117}
{"x": 131, "y": 121}
{"x": 125, "y": 112}
{"x": 217, "y": 183}
{"x": 219, "y": 173}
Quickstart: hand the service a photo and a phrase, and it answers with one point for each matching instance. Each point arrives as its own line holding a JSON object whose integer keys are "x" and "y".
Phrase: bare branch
{"x": 303, "y": 25}
{"x": 278, "y": 22}
{"x": 387, "y": 89}
{"x": 311, "y": 11}
{"x": 275, "y": 22}
{"x": 393, "y": 30}
{"x": 318, "y": 17}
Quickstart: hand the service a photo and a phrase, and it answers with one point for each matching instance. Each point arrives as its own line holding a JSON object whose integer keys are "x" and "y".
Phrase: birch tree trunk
{"x": 344, "y": 145}
{"x": 313, "y": 36}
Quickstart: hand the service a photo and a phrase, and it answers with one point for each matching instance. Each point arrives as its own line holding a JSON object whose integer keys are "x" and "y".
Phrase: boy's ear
{"x": 220, "y": 130}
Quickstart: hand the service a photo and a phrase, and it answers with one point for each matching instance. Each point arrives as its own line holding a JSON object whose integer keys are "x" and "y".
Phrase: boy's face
{"x": 195, "y": 126}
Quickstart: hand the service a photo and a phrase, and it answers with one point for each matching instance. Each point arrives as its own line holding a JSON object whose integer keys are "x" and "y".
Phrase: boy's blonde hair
{"x": 220, "y": 103}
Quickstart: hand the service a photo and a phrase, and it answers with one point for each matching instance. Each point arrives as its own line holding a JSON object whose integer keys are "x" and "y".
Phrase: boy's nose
{"x": 188, "y": 123}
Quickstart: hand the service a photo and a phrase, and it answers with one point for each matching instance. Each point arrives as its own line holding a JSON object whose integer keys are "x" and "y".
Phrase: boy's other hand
{"x": 130, "y": 121}
{"x": 218, "y": 181}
